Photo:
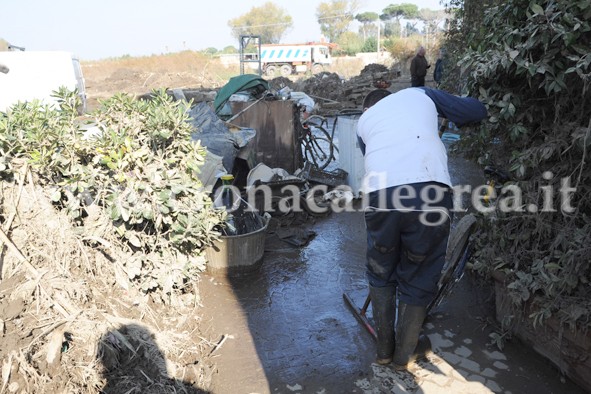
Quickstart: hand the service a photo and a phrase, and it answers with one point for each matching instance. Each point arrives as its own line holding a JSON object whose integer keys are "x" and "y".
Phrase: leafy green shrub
{"x": 349, "y": 44}
{"x": 139, "y": 171}
{"x": 370, "y": 45}
{"x": 531, "y": 64}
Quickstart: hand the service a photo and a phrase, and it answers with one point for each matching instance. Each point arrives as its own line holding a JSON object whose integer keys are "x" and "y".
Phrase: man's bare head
{"x": 374, "y": 96}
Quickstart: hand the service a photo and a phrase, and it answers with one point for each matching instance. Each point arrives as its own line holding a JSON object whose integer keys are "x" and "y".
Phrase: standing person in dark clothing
{"x": 418, "y": 68}
{"x": 438, "y": 72}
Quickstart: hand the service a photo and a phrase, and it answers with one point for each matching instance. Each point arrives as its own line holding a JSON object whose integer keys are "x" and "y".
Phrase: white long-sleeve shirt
{"x": 402, "y": 143}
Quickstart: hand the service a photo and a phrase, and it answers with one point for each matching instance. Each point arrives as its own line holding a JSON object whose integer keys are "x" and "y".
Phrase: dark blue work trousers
{"x": 407, "y": 231}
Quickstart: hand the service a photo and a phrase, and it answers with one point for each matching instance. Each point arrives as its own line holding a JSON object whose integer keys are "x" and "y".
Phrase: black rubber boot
{"x": 383, "y": 305}
{"x": 409, "y": 345}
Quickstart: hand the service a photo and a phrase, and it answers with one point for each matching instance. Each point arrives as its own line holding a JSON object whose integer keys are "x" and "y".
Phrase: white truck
{"x": 297, "y": 58}
{"x": 36, "y": 74}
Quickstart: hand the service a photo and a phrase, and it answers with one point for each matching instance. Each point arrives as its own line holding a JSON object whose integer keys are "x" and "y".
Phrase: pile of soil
{"x": 70, "y": 318}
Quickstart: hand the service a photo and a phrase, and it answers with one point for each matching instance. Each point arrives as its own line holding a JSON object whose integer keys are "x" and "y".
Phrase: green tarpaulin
{"x": 239, "y": 83}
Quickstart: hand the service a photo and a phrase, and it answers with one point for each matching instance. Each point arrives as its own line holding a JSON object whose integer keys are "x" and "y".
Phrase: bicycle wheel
{"x": 456, "y": 257}
{"x": 318, "y": 147}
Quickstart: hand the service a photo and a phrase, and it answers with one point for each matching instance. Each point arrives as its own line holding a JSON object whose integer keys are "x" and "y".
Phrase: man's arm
{"x": 460, "y": 110}
{"x": 361, "y": 145}
{"x": 413, "y": 67}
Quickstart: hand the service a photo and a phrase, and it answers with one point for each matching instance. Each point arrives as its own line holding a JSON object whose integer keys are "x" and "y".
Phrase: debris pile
{"x": 371, "y": 77}
{"x": 330, "y": 91}
{"x": 325, "y": 88}
{"x": 334, "y": 94}
{"x": 279, "y": 83}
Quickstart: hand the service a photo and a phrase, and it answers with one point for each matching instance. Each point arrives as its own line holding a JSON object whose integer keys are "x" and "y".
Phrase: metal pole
{"x": 378, "y": 38}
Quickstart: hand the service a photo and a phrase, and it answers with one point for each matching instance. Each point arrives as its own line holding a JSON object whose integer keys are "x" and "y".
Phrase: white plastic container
{"x": 350, "y": 156}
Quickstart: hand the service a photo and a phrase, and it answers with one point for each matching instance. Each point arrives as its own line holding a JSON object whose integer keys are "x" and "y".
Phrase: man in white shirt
{"x": 409, "y": 212}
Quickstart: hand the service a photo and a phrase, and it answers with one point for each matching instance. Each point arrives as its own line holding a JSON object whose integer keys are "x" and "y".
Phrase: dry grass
{"x": 181, "y": 62}
{"x": 347, "y": 67}
{"x": 141, "y": 75}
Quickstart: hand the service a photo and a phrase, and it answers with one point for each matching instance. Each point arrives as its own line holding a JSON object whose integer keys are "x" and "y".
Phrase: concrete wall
{"x": 365, "y": 58}
{"x": 373, "y": 57}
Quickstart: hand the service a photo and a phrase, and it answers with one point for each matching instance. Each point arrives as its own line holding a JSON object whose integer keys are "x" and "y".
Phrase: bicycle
{"x": 458, "y": 245}
{"x": 457, "y": 256}
{"x": 316, "y": 143}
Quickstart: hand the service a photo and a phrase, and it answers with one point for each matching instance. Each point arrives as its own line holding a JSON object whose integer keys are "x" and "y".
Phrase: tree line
{"x": 336, "y": 19}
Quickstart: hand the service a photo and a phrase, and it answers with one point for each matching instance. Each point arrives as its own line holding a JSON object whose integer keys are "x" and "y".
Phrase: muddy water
{"x": 286, "y": 328}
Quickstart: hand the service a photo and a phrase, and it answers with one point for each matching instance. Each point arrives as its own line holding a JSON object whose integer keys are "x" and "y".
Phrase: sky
{"x": 101, "y": 29}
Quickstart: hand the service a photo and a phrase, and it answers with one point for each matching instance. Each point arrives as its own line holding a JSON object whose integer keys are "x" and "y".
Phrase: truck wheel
{"x": 270, "y": 71}
{"x": 286, "y": 70}
{"x": 317, "y": 68}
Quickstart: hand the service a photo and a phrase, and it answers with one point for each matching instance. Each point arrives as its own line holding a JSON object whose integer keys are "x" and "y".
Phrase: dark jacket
{"x": 438, "y": 72}
{"x": 418, "y": 67}
{"x": 460, "y": 110}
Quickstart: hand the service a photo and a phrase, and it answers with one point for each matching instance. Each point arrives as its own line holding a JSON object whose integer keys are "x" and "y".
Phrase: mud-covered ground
{"x": 289, "y": 329}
